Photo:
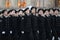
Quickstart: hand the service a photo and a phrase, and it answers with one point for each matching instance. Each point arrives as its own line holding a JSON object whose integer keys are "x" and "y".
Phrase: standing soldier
{"x": 34, "y": 22}
{"x": 53, "y": 19}
{"x": 57, "y": 23}
{"x": 9, "y": 28}
{"x": 13, "y": 25}
{"x": 20, "y": 24}
{"x": 51, "y": 12}
{"x": 41, "y": 21}
{"x": 47, "y": 25}
{"x": 28, "y": 28}
{"x": 5, "y": 25}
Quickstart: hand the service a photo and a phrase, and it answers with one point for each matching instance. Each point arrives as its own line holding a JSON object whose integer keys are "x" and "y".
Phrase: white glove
{"x": 22, "y": 32}
{"x": 3, "y": 32}
{"x": 10, "y": 32}
{"x": 38, "y": 31}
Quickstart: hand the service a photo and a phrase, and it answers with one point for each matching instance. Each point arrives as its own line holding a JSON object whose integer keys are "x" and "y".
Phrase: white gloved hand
{"x": 10, "y": 32}
{"x": 3, "y": 32}
{"x": 38, "y": 31}
{"x": 22, "y": 32}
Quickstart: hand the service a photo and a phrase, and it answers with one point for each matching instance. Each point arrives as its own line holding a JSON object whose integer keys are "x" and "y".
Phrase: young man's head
{"x": 20, "y": 12}
{"x": 51, "y": 11}
{"x": 5, "y": 12}
{"x": 27, "y": 10}
{"x": 46, "y": 11}
{"x": 33, "y": 10}
{"x": 40, "y": 11}
{"x": 12, "y": 12}
{"x": 56, "y": 11}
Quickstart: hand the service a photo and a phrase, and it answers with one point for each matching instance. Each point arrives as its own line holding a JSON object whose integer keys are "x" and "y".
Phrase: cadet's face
{"x": 5, "y": 13}
{"x": 33, "y": 10}
{"x": 13, "y": 12}
{"x": 20, "y": 12}
{"x": 56, "y": 11}
{"x": 28, "y": 11}
{"x": 46, "y": 12}
{"x": 40, "y": 12}
{"x": 51, "y": 12}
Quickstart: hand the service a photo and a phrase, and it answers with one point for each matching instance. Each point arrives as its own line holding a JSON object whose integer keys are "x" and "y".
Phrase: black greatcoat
{"x": 57, "y": 25}
{"x": 53, "y": 27}
{"x": 48, "y": 27}
{"x": 52, "y": 24}
{"x": 27, "y": 28}
{"x": 22, "y": 36}
{"x": 42, "y": 33}
{"x": 34, "y": 26}
{"x": 13, "y": 28}
{"x": 19, "y": 27}
{"x": 5, "y": 28}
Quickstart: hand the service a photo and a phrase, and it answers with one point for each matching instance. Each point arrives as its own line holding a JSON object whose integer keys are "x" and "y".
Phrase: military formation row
{"x": 30, "y": 24}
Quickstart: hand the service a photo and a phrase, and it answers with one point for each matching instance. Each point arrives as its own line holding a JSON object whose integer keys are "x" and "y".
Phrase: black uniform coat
{"x": 5, "y": 27}
{"x": 13, "y": 27}
{"x": 34, "y": 24}
{"x": 42, "y": 33}
{"x": 22, "y": 23}
{"x": 57, "y": 25}
{"x": 27, "y": 28}
{"x": 54, "y": 32}
{"x": 48, "y": 27}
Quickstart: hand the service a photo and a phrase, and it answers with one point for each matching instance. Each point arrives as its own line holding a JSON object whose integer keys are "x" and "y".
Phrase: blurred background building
{"x": 25, "y": 3}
